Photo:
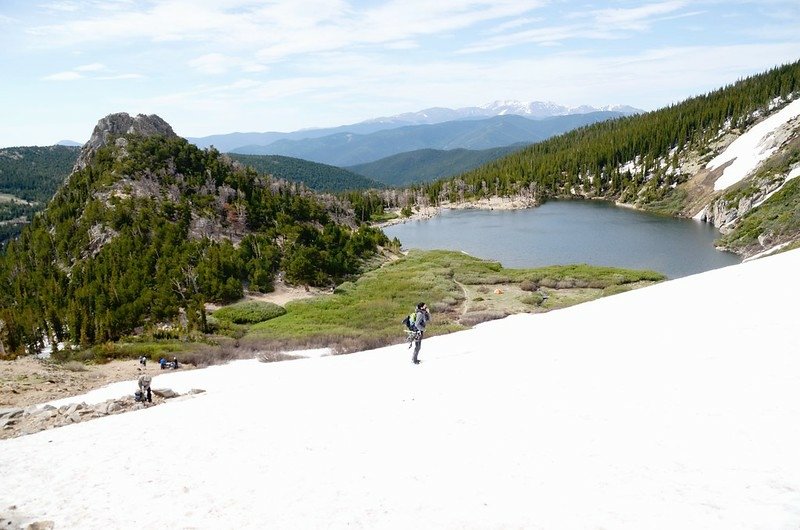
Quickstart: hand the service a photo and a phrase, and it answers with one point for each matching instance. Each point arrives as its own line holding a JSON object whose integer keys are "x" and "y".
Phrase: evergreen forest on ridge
{"x": 146, "y": 233}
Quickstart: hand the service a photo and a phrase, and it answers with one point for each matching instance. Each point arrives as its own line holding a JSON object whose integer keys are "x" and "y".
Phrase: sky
{"x": 219, "y": 66}
{"x": 675, "y": 406}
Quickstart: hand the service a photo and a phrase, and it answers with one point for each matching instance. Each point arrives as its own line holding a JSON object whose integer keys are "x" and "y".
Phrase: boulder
{"x": 165, "y": 393}
{"x": 11, "y": 413}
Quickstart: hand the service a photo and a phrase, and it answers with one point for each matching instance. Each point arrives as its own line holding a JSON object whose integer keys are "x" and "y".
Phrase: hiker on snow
{"x": 421, "y": 318}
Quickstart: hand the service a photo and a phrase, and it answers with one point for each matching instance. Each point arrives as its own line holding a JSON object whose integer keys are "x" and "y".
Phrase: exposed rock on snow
{"x": 16, "y": 421}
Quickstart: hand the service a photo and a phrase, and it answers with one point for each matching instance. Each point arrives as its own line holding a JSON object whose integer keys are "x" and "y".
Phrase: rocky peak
{"x": 118, "y": 124}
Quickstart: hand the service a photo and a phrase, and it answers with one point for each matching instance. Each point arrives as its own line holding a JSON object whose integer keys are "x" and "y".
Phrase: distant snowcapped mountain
{"x": 532, "y": 109}
{"x": 243, "y": 142}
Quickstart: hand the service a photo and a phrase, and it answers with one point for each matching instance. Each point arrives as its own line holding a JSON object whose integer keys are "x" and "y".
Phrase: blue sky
{"x": 218, "y": 66}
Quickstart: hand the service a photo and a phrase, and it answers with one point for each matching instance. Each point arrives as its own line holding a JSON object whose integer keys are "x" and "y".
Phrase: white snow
{"x": 674, "y": 406}
{"x": 753, "y": 147}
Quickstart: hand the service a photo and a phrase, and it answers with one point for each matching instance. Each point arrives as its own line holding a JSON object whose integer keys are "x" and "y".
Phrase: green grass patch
{"x": 672, "y": 203}
{"x": 776, "y": 220}
{"x": 581, "y": 275}
{"x": 383, "y": 217}
{"x": 368, "y": 312}
{"x": 250, "y": 312}
{"x": 371, "y": 308}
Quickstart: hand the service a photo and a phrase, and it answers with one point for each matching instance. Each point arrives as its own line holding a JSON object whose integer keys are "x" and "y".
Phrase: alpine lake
{"x": 569, "y": 232}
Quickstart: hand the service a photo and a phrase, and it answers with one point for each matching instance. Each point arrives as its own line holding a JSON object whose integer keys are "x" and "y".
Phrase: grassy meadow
{"x": 460, "y": 290}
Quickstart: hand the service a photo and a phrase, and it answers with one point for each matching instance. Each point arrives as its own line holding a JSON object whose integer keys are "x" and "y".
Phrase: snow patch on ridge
{"x": 748, "y": 151}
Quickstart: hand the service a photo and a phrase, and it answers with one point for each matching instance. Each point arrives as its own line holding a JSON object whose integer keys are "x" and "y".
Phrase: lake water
{"x": 566, "y": 232}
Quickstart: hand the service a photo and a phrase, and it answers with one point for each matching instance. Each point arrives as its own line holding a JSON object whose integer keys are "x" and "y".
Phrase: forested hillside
{"x": 427, "y": 165}
{"x": 318, "y": 177}
{"x": 29, "y": 176}
{"x": 634, "y": 159}
{"x": 151, "y": 229}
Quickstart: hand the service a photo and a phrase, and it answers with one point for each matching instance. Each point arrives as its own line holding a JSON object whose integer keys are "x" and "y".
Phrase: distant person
{"x": 162, "y": 362}
{"x": 421, "y": 318}
{"x": 143, "y": 361}
{"x": 144, "y": 388}
{"x": 174, "y": 362}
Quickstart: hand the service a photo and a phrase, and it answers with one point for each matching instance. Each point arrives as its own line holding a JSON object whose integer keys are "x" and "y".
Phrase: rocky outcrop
{"x": 725, "y": 213}
{"x": 17, "y": 421}
{"x": 116, "y": 125}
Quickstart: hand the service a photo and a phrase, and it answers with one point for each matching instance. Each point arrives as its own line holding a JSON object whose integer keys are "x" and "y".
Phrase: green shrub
{"x": 549, "y": 282}
{"x": 74, "y": 366}
{"x": 532, "y": 299}
{"x": 615, "y": 289}
{"x": 471, "y": 319}
{"x": 344, "y": 288}
{"x": 251, "y": 312}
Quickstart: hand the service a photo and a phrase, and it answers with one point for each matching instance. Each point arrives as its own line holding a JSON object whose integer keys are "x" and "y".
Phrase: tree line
{"x": 31, "y": 175}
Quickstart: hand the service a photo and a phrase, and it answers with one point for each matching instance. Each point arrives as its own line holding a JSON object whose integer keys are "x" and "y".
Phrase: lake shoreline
{"x": 585, "y": 230}
{"x": 422, "y": 213}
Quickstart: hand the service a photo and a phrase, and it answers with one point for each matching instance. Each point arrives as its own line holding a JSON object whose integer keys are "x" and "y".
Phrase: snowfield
{"x": 759, "y": 142}
{"x": 674, "y": 406}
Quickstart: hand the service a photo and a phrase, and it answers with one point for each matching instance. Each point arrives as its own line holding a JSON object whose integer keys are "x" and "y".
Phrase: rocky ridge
{"x": 18, "y": 421}
{"x": 119, "y": 124}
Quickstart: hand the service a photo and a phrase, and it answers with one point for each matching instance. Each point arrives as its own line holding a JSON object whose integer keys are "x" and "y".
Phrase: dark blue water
{"x": 566, "y": 232}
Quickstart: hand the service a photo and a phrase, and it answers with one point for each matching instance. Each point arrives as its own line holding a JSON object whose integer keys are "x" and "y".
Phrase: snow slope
{"x": 674, "y": 406}
{"x": 747, "y": 152}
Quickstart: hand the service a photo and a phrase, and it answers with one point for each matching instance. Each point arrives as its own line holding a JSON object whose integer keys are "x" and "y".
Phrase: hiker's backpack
{"x": 409, "y": 321}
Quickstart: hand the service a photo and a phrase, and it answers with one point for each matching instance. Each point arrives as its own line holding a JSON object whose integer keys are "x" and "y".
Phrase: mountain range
{"x": 532, "y": 109}
{"x": 347, "y": 148}
{"x": 536, "y": 110}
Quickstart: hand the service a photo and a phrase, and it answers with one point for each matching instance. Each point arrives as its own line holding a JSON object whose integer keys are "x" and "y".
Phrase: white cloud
{"x": 211, "y": 63}
{"x": 637, "y": 18}
{"x": 64, "y": 6}
{"x": 601, "y": 24}
{"x": 546, "y": 35}
{"x": 119, "y": 77}
{"x": 364, "y": 59}
{"x": 278, "y": 30}
{"x": 81, "y": 72}
{"x": 93, "y": 67}
{"x": 63, "y": 76}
